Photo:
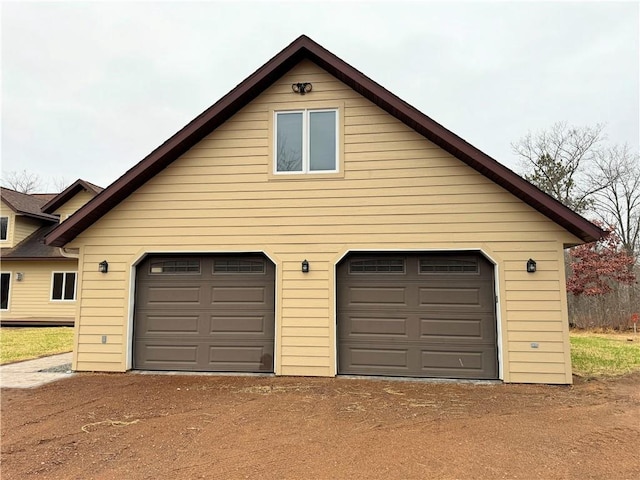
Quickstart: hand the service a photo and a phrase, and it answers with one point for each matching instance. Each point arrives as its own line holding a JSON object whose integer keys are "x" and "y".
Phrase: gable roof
{"x": 68, "y": 193}
{"x": 305, "y": 48}
{"x": 29, "y": 205}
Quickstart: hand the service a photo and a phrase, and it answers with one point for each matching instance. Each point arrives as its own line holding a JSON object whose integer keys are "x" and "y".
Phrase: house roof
{"x": 34, "y": 248}
{"x": 305, "y": 48}
{"x": 68, "y": 193}
{"x": 26, "y": 204}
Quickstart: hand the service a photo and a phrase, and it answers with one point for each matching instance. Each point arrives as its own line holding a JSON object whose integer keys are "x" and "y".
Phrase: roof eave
{"x": 67, "y": 194}
{"x": 44, "y": 216}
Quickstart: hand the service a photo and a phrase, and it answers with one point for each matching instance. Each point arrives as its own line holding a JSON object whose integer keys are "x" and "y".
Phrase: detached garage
{"x": 312, "y": 223}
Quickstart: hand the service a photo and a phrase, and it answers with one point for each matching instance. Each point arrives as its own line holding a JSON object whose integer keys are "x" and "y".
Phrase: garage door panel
{"x": 459, "y": 363}
{"x": 241, "y": 325}
{"x": 153, "y": 354}
{"x": 376, "y": 296}
{"x": 446, "y": 328}
{"x": 240, "y": 294}
{"x": 368, "y": 326}
{"x": 434, "y": 318}
{"x": 172, "y": 295}
{"x": 433, "y": 296}
{"x": 205, "y": 313}
{"x": 171, "y": 324}
{"x": 367, "y": 359}
{"x": 241, "y": 358}
{"x": 457, "y": 326}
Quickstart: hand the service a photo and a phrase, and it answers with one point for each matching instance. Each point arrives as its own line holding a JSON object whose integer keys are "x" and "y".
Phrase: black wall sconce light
{"x": 103, "y": 266}
{"x": 301, "y": 88}
{"x": 305, "y": 266}
{"x": 19, "y": 276}
{"x": 531, "y": 265}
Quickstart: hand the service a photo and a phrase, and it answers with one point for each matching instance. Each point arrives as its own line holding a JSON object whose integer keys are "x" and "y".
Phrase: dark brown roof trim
{"x": 68, "y": 193}
{"x": 43, "y": 216}
{"x": 303, "y": 47}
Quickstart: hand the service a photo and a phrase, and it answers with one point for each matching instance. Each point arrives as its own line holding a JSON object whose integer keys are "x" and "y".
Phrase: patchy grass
{"x": 592, "y": 354}
{"x": 18, "y": 344}
{"x": 602, "y": 354}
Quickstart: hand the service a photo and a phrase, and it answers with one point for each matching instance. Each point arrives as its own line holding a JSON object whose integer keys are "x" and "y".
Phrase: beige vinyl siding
{"x": 397, "y": 191}
{"x": 19, "y": 227}
{"x": 30, "y": 299}
{"x": 23, "y": 227}
{"x": 73, "y": 205}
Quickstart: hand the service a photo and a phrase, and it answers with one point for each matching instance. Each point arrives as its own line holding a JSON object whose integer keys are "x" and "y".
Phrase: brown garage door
{"x": 418, "y": 315}
{"x": 205, "y": 313}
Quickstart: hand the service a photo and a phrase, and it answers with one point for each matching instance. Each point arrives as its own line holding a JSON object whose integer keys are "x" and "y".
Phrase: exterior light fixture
{"x": 19, "y": 276}
{"x": 305, "y": 266}
{"x": 301, "y": 88}
{"x": 103, "y": 266}
{"x": 531, "y": 265}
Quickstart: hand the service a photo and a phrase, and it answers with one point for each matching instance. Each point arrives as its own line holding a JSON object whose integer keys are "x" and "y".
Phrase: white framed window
{"x": 4, "y": 229}
{"x": 306, "y": 141}
{"x": 63, "y": 286}
{"x": 5, "y": 289}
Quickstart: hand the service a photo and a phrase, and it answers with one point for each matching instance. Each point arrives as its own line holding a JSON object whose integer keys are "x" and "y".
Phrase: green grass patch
{"x": 18, "y": 344}
{"x": 594, "y": 355}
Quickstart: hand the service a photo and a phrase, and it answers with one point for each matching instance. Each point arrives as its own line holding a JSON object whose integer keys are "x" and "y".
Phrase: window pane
{"x": 238, "y": 266}
{"x": 4, "y": 223}
{"x": 4, "y": 289}
{"x": 70, "y": 287}
{"x": 444, "y": 265}
{"x": 392, "y": 265}
{"x": 175, "y": 266}
{"x": 322, "y": 141}
{"x": 56, "y": 294}
{"x": 289, "y": 142}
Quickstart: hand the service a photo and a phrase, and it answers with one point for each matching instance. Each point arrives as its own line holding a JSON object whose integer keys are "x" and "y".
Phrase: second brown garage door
{"x": 205, "y": 313}
{"x": 418, "y": 315}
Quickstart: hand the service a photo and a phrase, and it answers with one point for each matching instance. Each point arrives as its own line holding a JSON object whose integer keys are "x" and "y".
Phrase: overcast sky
{"x": 89, "y": 89}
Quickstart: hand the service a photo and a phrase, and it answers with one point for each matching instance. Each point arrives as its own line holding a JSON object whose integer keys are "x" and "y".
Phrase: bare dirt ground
{"x": 129, "y": 426}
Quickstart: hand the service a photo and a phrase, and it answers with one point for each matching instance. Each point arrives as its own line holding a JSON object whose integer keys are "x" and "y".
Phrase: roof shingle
{"x": 28, "y": 204}
{"x": 33, "y": 247}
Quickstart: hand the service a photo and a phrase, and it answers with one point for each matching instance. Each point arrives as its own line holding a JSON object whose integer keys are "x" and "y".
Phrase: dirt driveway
{"x": 129, "y": 426}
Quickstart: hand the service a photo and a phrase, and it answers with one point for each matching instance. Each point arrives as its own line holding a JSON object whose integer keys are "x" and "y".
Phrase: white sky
{"x": 90, "y": 88}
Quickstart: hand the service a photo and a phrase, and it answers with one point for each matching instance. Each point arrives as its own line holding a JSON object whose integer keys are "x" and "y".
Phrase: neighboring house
{"x": 312, "y": 223}
{"x": 38, "y": 281}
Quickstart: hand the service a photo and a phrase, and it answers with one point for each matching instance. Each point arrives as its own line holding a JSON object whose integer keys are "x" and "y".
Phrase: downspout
{"x": 66, "y": 254}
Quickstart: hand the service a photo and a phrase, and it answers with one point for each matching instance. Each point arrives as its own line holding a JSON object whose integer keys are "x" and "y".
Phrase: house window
{"x": 5, "y": 283}
{"x": 4, "y": 228}
{"x": 306, "y": 141}
{"x": 63, "y": 286}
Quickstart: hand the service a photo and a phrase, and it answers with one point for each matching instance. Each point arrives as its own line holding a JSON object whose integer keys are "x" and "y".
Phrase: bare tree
{"x": 618, "y": 202}
{"x": 573, "y": 166}
{"x": 59, "y": 183}
{"x": 23, "y": 182}
{"x": 557, "y": 161}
